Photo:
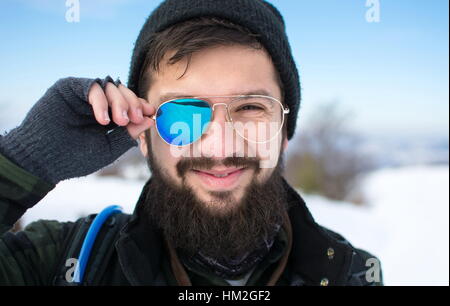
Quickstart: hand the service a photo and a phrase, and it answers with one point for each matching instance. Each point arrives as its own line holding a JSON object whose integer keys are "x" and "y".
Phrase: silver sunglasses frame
{"x": 212, "y": 106}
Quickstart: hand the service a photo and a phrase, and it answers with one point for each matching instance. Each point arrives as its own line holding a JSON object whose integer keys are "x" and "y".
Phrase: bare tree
{"x": 328, "y": 160}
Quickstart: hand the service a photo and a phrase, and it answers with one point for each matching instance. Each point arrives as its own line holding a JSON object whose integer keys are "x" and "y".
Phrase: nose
{"x": 220, "y": 113}
{"x": 217, "y": 141}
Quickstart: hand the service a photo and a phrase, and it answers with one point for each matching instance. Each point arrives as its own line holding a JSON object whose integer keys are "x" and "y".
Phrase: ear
{"x": 143, "y": 144}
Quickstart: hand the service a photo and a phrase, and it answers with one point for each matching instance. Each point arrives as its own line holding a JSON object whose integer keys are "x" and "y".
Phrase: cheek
{"x": 268, "y": 153}
{"x": 160, "y": 150}
{"x": 164, "y": 155}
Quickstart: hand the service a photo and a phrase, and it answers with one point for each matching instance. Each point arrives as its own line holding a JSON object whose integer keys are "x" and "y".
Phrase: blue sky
{"x": 392, "y": 75}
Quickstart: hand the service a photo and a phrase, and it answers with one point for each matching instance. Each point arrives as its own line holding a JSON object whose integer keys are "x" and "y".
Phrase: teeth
{"x": 221, "y": 175}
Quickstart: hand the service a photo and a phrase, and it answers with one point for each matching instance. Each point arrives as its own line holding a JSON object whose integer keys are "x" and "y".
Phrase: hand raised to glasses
{"x": 68, "y": 133}
{"x": 127, "y": 109}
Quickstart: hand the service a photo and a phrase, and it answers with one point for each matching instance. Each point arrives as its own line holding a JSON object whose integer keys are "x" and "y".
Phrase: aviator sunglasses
{"x": 256, "y": 118}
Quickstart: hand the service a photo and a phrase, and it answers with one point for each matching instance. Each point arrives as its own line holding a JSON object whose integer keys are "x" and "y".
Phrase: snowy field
{"x": 406, "y": 224}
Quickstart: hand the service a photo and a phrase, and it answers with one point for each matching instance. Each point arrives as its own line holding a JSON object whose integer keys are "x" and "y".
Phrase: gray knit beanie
{"x": 259, "y": 16}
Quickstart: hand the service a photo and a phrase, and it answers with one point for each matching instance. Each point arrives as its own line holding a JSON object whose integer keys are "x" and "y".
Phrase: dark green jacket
{"x": 34, "y": 255}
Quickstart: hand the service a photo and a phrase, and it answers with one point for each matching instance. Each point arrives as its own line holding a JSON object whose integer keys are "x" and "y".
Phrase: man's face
{"x": 219, "y": 71}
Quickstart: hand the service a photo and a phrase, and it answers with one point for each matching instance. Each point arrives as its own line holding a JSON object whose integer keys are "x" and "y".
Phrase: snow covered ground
{"x": 406, "y": 224}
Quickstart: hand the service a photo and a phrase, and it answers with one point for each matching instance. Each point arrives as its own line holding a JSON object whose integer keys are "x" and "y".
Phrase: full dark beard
{"x": 189, "y": 225}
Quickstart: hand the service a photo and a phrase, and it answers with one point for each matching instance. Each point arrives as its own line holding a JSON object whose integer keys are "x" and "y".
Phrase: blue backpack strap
{"x": 89, "y": 240}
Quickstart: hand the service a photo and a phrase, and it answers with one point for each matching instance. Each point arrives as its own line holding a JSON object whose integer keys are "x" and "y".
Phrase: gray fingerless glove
{"x": 60, "y": 138}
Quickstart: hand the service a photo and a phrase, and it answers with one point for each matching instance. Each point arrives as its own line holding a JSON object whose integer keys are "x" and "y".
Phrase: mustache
{"x": 207, "y": 163}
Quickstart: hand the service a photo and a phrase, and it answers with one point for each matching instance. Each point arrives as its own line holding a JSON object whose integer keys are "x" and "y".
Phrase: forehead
{"x": 218, "y": 71}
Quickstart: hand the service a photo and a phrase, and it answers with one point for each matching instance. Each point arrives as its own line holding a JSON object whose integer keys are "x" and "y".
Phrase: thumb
{"x": 136, "y": 129}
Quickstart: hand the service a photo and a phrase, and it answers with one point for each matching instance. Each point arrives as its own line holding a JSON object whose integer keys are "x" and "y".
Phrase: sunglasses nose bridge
{"x": 226, "y": 109}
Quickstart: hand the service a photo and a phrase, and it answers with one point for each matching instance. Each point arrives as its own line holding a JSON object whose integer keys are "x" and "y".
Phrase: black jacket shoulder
{"x": 365, "y": 268}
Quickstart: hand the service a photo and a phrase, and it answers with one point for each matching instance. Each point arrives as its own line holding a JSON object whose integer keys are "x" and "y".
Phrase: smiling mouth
{"x": 219, "y": 173}
{"x": 224, "y": 179}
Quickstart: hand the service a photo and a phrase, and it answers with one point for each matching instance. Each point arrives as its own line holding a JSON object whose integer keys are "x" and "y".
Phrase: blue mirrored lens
{"x": 183, "y": 121}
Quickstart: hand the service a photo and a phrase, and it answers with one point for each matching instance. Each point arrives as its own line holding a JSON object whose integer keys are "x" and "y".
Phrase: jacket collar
{"x": 140, "y": 246}
{"x": 317, "y": 256}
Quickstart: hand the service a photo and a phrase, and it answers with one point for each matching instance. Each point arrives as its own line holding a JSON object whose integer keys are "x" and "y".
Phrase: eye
{"x": 250, "y": 107}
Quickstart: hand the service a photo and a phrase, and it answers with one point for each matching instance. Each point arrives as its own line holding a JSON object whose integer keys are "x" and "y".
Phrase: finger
{"x": 136, "y": 129}
{"x": 148, "y": 109}
{"x": 97, "y": 98}
{"x": 135, "y": 111}
{"x": 118, "y": 105}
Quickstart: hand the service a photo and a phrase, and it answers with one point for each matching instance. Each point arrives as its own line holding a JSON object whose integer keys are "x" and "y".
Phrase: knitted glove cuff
{"x": 60, "y": 138}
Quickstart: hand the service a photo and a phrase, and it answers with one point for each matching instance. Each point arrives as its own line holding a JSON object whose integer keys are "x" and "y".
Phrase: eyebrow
{"x": 174, "y": 95}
